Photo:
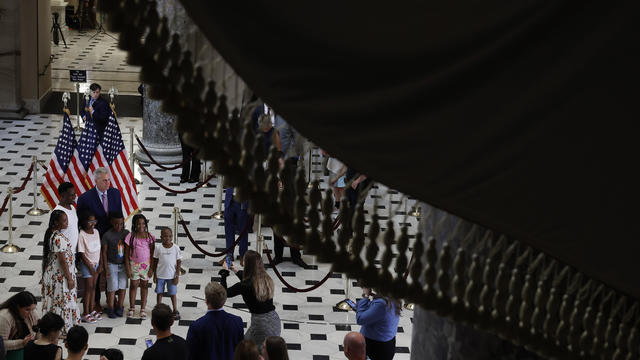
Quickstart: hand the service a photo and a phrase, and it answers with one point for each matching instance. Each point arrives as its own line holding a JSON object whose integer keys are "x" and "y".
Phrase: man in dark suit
{"x": 215, "y": 335}
{"x": 235, "y": 220}
{"x": 97, "y": 109}
{"x": 101, "y": 199}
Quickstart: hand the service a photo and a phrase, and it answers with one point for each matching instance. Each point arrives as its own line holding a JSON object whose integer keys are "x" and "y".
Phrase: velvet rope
{"x": 275, "y": 269}
{"x": 223, "y": 252}
{"x": 336, "y": 222}
{"x": 406, "y": 273}
{"x": 172, "y": 190}
{"x": 16, "y": 190}
{"x": 144, "y": 149}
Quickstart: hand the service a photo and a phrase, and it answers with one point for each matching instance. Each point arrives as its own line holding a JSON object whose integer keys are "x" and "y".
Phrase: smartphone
{"x": 352, "y": 304}
{"x": 149, "y": 342}
{"x": 229, "y": 262}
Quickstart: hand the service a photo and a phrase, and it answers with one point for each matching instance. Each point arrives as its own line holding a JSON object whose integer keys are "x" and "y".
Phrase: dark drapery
{"x": 517, "y": 115}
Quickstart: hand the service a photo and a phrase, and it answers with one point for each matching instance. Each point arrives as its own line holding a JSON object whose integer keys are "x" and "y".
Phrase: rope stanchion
{"x": 170, "y": 189}
{"x": 205, "y": 252}
{"x": 10, "y": 248}
{"x": 275, "y": 270}
{"x": 146, "y": 152}
{"x": 16, "y": 190}
{"x": 219, "y": 215}
{"x": 35, "y": 210}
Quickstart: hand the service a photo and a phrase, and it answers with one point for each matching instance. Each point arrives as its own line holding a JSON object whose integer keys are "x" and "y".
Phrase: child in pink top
{"x": 89, "y": 266}
{"x": 139, "y": 245}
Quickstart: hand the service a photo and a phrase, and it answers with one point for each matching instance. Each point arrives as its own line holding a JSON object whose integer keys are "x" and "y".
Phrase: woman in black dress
{"x": 46, "y": 346}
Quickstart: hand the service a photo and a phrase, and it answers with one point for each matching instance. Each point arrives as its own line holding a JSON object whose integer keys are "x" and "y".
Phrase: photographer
{"x": 378, "y": 317}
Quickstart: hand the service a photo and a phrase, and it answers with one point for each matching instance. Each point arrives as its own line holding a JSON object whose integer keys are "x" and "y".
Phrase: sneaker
{"x": 120, "y": 312}
{"x": 88, "y": 319}
{"x": 111, "y": 314}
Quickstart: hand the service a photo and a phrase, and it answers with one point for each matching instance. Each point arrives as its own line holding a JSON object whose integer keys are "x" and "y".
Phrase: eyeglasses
{"x": 92, "y": 222}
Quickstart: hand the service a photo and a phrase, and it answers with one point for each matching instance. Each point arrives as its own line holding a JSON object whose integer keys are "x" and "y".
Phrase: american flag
{"x": 111, "y": 154}
{"x": 59, "y": 163}
{"x": 82, "y": 156}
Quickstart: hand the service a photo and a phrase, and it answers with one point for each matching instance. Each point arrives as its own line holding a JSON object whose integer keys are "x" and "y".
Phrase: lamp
{"x": 344, "y": 305}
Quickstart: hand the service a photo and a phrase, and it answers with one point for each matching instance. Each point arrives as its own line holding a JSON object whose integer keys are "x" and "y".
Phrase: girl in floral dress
{"x": 58, "y": 275}
{"x": 138, "y": 253}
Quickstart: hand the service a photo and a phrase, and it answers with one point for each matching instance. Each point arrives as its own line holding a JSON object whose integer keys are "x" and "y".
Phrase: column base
{"x": 13, "y": 114}
{"x": 161, "y": 154}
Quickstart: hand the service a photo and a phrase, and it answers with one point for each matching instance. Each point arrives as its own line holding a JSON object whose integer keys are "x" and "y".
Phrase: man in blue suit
{"x": 101, "y": 199}
{"x": 215, "y": 335}
{"x": 235, "y": 220}
{"x": 97, "y": 109}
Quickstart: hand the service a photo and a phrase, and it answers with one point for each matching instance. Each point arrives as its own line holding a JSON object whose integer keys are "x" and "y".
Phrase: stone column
{"x": 158, "y": 133}
{"x": 158, "y": 128}
{"x": 435, "y": 337}
{"x": 11, "y": 104}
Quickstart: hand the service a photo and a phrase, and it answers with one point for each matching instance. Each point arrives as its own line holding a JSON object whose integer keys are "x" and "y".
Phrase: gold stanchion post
{"x": 310, "y": 185}
{"x": 35, "y": 211}
{"x": 259, "y": 237}
{"x": 204, "y": 174}
{"x": 10, "y": 248}
{"x": 176, "y": 215}
{"x": 132, "y": 161}
{"x": 219, "y": 215}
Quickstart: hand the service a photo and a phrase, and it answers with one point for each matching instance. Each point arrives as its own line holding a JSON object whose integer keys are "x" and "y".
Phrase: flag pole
{"x": 10, "y": 248}
{"x": 219, "y": 215}
{"x": 35, "y": 211}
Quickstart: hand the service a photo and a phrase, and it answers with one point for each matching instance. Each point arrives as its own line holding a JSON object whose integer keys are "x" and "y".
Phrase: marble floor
{"x": 312, "y": 327}
{"x": 100, "y": 56}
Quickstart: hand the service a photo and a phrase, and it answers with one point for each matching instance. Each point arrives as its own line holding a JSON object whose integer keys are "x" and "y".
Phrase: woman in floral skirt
{"x": 58, "y": 275}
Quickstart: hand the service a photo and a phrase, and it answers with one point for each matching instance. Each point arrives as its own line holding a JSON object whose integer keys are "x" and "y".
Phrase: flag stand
{"x": 10, "y": 248}
{"x": 35, "y": 211}
{"x": 219, "y": 215}
{"x": 132, "y": 163}
{"x": 176, "y": 214}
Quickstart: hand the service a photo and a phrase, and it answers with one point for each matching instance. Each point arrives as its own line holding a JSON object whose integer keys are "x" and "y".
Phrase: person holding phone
{"x": 256, "y": 288}
{"x": 17, "y": 319}
{"x": 378, "y": 317}
{"x": 168, "y": 345}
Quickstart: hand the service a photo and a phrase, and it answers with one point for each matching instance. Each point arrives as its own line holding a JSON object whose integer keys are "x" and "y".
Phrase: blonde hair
{"x": 254, "y": 271}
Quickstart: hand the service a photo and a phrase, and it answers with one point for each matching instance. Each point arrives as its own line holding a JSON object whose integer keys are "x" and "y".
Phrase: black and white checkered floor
{"x": 312, "y": 327}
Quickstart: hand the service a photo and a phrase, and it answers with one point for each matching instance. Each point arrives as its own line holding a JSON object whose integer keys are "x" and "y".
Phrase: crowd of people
{"x": 88, "y": 242}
